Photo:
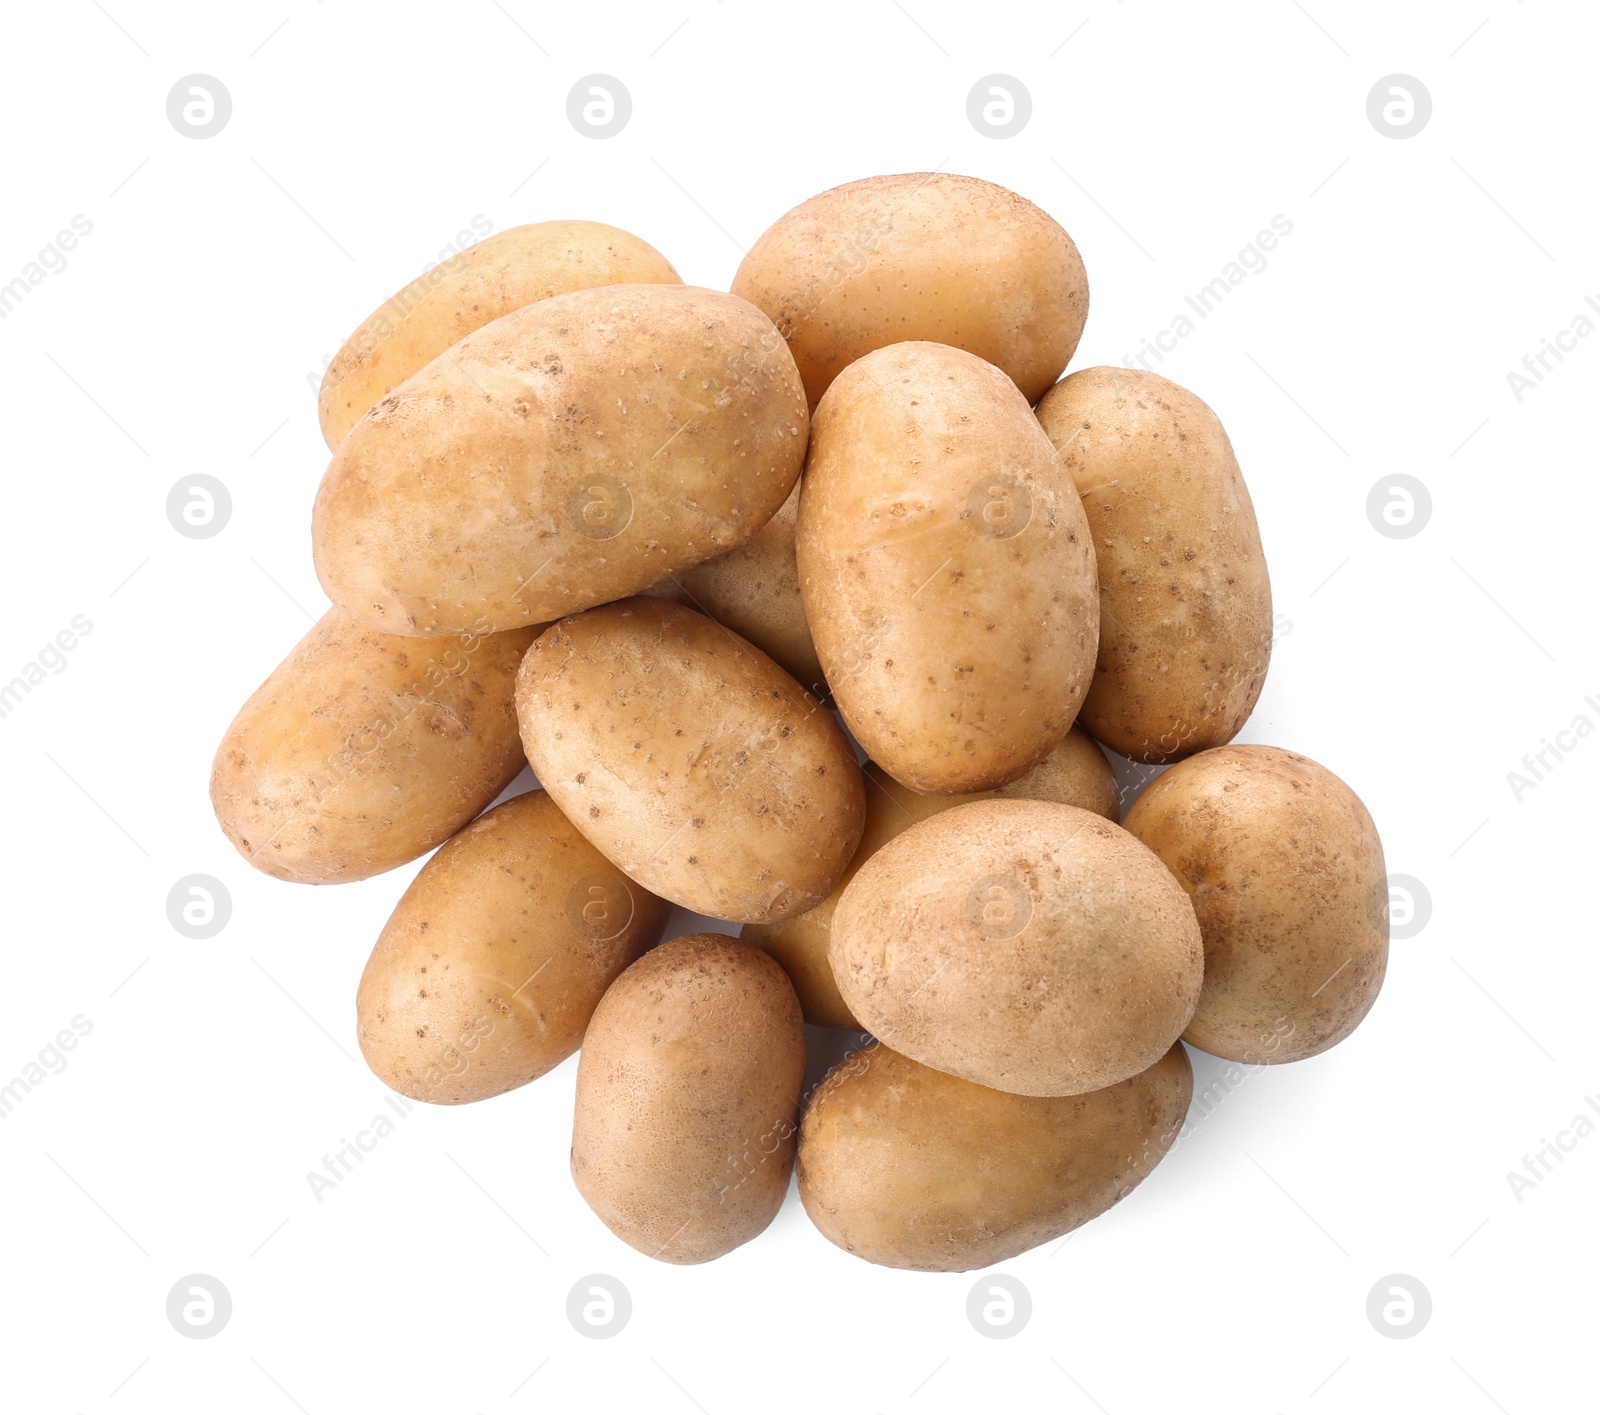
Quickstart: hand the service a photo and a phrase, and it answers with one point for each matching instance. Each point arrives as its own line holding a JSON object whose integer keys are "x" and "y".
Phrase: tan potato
{"x": 906, "y": 1166}
{"x": 1076, "y": 773}
{"x": 497, "y": 955}
{"x": 1286, "y": 873}
{"x": 691, "y": 760}
{"x": 926, "y": 255}
{"x": 443, "y": 305}
{"x": 365, "y": 750}
{"x": 1185, "y": 601}
{"x": 688, "y": 1090}
{"x": 1024, "y": 945}
{"x": 572, "y": 452}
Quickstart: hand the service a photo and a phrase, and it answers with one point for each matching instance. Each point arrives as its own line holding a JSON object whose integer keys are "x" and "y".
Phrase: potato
{"x": 1185, "y": 602}
{"x": 691, "y": 760}
{"x": 1024, "y": 945}
{"x": 1075, "y": 774}
{"x": 946, "y": 568}
{"x": 501, "y": 273}
{"x": 688, "y": 1089}
{"x": 572, "y": 452}
{"x": 925, "y": 255}
{"x": 365, "y": 750}
{"x": 497, "y": 955}
{"x": 906, "y": 1166}
{"x": 1286, "y": 873}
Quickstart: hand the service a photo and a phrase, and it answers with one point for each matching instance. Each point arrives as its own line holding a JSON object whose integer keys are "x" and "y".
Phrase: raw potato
{"x": 906, "y": 1166}
{"x": 1286, "y": 873}
{"x": 501, "y": 273}
{"x": 947, "y": 569}
{"x": 1024, "y": 945}
{"x": 572, "y": 452}
{"x": 952, "y": 260}
{"x": 1075, "y": 774}
{"x": 497, "y": 955}
{"x": 691, "y": 760}
{"x": 688, "y": 1089}
{"x": 1185, "y": 602}
{"x": 365, "y": 750}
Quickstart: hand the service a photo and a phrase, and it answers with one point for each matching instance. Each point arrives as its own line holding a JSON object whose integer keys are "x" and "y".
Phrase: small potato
{"x": 906, "y": 1166}
{"x": 497, "y": 955}
{"x": 365, "y": 750}
{"x": 443, "y": 305}
{"x": 1024, "y": 945}
{"x": 925, "y": 255}
{"x": 691, "y": 760}
{"x": 688, "y": 1090}
{"x": 1286, "y": 873}
{"x": 1185, "y": 602}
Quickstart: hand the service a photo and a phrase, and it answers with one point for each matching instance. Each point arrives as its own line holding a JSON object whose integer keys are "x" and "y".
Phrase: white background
{"x": 178, "y": 340}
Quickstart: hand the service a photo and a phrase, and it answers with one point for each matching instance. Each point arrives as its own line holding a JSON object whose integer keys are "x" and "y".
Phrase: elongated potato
{"x": 688, "y": 1092}
{"x": 906, "y": 1166}
{"x": 497, "y": 955}
{"x": 946, "y": 568}
{"x": 572, "y": 452}
{"x": 364, "y": 750}
{"x": 1185, "y": 601}
{"x": 444, "y": 304}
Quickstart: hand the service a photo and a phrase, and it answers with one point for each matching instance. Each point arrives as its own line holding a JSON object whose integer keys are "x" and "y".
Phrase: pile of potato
{"x": 645, "y": 536}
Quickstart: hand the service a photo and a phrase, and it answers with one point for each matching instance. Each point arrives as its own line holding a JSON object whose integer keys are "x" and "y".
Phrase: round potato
{"x": 925, "y": 255}
{"x": 688, "y": 1088}
{"x": 691, "y": 760}
{"x": 1185, "y": 602}
{"x": 946, "y": 568}
{"x": 497, "y": 955}
{"x": 1285, "y": 870}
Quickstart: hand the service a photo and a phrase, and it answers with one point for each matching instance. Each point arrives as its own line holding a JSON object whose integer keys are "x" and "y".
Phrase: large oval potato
{"x": 572, "y": 452}
{"x": 691, "y": 760}
{"x": 444, "y": 304}
{"x": 906, "y": 1166}
{"x": 1185, "y": 601}
{"x": 1286, "y": 873}
{"x": 364, "y": 750}
{"x": 688, "y": 1088}
{"x": 925, "y": 255}
{"x": 497, "y": 955}
{"x": 946, "y": 568}
{"x": 1024, "y": 945}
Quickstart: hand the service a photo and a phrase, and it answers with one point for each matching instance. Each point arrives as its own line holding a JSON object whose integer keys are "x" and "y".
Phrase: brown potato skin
{"x": 688, "y": 1091}
{"x": 364, "y": 750}
{"x": 497, "y": 955}
{"x": 570, "y": 453}
{"x": 1286, "y": 872}
{"x": 907, "y": 1167}
{"x": 957, "y": 655}
{"x": 1185, "y": 599}
{"x": 691, "y": 760}
{"x": 501, "y": 273}
{"x": 922, "y": 255}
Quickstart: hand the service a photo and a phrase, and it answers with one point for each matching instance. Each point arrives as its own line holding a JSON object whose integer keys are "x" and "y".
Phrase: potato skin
{"x": 1186, "y": 602}
{"x": 572, "y": 452}
{"x": 923, "y": 255}
{"x": 905, "y": 1166}
{"x": 497, "y": 955}
{"x": 364, "y": 750}
{"x": 947, "y": 569}
{"x": 501, "y": 273}
{"x": 688, "y": 1090}
{"x": 1286, "y": 872}
{"x": 691, "y": 760}
{"x": 1024, "y": 945}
